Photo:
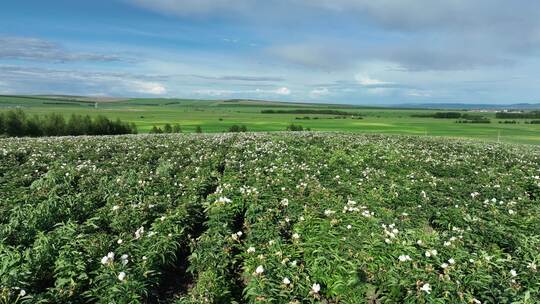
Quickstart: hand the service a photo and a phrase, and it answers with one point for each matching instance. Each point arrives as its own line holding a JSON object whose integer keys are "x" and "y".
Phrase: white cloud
{"x": 247, "y": 93}
{"x": 283, "y": 91}
{"x": 319, "y": 92}
{"x": 366, "y": 80}
{"x": 418, "y": 93}
{"x": 215, "y": 93}
{"x": 152, "y": 88}
{"x": 80, "y": 83}
{"x": 25, "y": 48}
{"x": 188, "y": 7}
{"x": 380, "y": 91}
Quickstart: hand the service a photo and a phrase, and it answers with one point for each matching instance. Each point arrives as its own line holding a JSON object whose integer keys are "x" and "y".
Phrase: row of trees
{"x": 17, "y": 123}
{"x": 311, "y": 111}
{"x": 518, "y": 115}
{"x": 293, "y": 127}
{"x": 168, "y": 128}
{"x": 451, "y": 115}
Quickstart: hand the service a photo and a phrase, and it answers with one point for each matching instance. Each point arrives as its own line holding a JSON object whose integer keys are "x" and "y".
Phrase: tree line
{"x": 17, "y": 123}
{"x": 310, "y": 111}
{"x": 516, "y": 115}
{"x": 442, "y": 115}
{"x": 168, "y": 128}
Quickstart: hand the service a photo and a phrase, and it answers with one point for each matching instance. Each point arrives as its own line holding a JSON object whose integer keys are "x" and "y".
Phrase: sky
{"x": 334, "y": 51}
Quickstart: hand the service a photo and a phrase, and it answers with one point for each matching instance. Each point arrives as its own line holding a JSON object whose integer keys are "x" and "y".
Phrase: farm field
{"x": 300, "y": 217}
{"x": 218, "y": 116}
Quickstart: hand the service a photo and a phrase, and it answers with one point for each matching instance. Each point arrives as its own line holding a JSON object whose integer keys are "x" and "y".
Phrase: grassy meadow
{"x": 217, "y": 116}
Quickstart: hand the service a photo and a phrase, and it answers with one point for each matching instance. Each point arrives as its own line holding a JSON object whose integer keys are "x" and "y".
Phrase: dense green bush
{"x": 293, "y": 127}
{"x": 515, "y": 115}
{"x": 452, "y": 115}
{"x": 237, "y": 128}
{"x": 16, "y": 123}
{"x": 167, "y": 128}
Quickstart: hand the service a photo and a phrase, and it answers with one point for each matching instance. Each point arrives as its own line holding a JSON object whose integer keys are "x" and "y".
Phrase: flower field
{"x": 268, "y": 218}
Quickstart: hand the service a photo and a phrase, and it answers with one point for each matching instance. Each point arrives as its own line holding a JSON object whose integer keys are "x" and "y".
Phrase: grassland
{"x": 218, "y": 116}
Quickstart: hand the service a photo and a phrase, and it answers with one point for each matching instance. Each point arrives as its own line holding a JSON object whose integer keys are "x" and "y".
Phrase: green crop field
{"x": 296, "y": 217}
{"x": 218, "y": 116}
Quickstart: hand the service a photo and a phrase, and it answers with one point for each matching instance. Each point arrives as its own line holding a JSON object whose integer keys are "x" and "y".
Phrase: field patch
{"x": 300, "y": 217}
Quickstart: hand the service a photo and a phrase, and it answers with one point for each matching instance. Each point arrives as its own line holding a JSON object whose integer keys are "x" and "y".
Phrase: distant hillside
{"x": 465, "y": 106}
{"x": 82, "y": 100}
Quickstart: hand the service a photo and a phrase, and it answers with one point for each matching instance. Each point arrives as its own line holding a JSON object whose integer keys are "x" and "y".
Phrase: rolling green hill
{"x": 219, "y": 115}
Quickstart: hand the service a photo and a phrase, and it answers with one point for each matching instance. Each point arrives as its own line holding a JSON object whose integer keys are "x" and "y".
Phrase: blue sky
{"x": 342, "y": 51}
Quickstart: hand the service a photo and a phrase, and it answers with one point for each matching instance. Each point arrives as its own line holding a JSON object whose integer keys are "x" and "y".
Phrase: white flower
{"x": 431, "y": 252}
{"x": 223, "y": 200}
{"x": 121, "y": 276}
{"x": 139, "y": 232}
{"x": 285, "y": 202}
{"x": 444, "y": 265}
{"x": 419, "y": 242}
{"x": 329, "y": 212}
{"x": 109, "y": 258}
{"x": 513, "y": 273}
{"x": 296, "y": 236}
{"x": 451, "y": 261}
{"x": 531, "y": 266}
{"x": 387, "y": 241}
{"x": 22, "y": 293}
{"x": 349, "y": 227}
{"x": 366, "y": 213}
{"x": 124, "y": 259}
{"x": 510, "y": 211}
{"x": 115, "y": 207}
{"x": 316, "y": 288}
{"x": 286, "y": 281}
{"x": 404, "y": 258}
{"x": 476, "y": 301}
{"x": 251, "y": 249}
{"x": 426, "y": 288}
{"x": 119, "y": 241}
{"x": 259, "y": 270}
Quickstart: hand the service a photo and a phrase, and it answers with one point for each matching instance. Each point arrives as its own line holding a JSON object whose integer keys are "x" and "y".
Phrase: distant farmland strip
{"x": 307, "y": 111}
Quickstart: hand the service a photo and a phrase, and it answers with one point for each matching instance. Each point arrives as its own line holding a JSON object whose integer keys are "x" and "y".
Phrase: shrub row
{"x": 17, "y": 123}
